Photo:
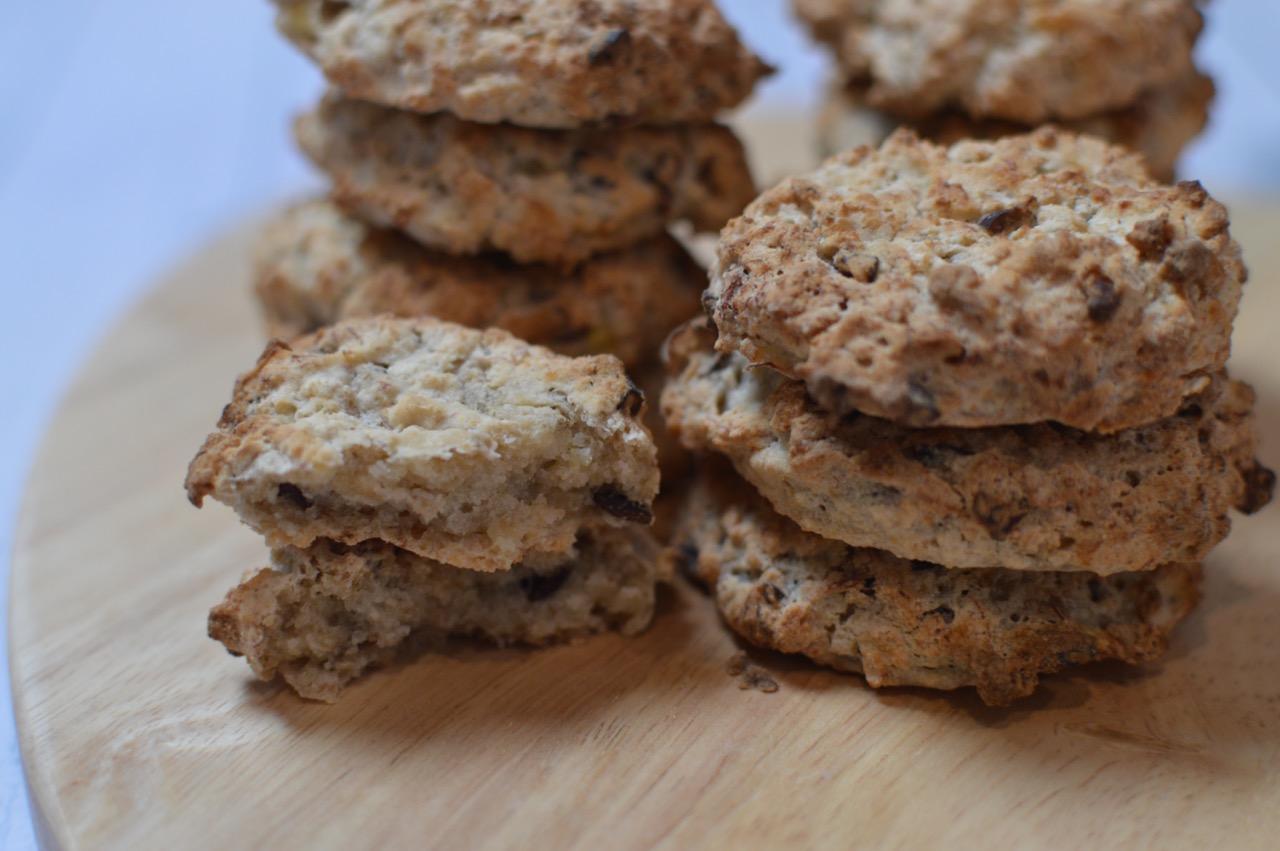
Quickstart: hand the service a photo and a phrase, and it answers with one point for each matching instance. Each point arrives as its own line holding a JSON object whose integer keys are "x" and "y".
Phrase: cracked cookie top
{"x": 537, "y": 63}
{"x": 1037, "y": 277}
{"x": 470, "y": 447}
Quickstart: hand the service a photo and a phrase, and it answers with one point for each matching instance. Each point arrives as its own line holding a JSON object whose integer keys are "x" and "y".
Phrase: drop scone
{"x": 1043, "y": 277}
{"x": 1159, "y": 125}
{"x": 1039, "y": 497}
{"x": 913, "y": 623}
{"x": 468, "y": 447}
{"x": 1023, "y": 62}
{"x": 316, "y": 265}
{"x": 321, "y": 616}
{"x": 536, "y": 63}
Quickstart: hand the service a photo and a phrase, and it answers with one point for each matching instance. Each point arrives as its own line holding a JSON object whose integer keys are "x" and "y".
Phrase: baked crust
{"x": 911, "y": 623}
{"x": 1032, "y": 278}
{"x": 314, "y": 266}
{"x": 536, "y": 63}
{"x": 468, "y": 447}
{"x": 1025, "y": 62}
{"x": 538, "y": 195}
{"x": 1038, "y": 497}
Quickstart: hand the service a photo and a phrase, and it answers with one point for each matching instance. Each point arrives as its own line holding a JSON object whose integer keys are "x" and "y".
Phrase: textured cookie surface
{"x": 1010, "y": 59}
{"x": 1036, "y": 497}
{"x": 323, "y": 615}
{"x": 911, "y": 623}
{"x": 536, "y": 63}
{"x": 537, "y": 195}
{"x": 472, "y": 448}
{"x": 1159, "y": 125}
{"x": 1033, "y": 278}
{"x": 316, "y": 266}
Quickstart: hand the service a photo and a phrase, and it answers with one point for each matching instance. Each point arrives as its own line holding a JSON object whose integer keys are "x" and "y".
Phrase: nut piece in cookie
{"x": 536, "y": 63}
{"x": 1035, "y": 278}
{"x": 324, "y": 614}
{"x": 1050, "y": 60}
{"x": 315, "y": 266}
{"x": 1039, "y": 497}
{"x": 468, "y": 447}
{"x": 912, "y": 623}
{"x": 546, "y": 196}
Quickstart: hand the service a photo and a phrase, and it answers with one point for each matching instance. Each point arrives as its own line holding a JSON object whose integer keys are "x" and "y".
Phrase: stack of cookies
{"x": 981, "y": 393}
{"x": 513, "y": 165}
{"x": 419, "y": 478}
{"x": 957, "y": 69}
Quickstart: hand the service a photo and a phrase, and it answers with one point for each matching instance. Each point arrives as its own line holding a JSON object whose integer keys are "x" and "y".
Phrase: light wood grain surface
{"x": 139, "y": 732}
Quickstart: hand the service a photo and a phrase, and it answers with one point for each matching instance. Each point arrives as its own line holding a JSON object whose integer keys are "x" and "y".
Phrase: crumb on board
{"x": 749, "y": 674}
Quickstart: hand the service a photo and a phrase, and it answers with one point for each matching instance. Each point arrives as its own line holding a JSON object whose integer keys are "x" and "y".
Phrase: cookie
{"x": 468, "y": 447}
{"x": 1159, "y": 125}
{"x": 911, "y": 623}
{"x": 323, "y": 615}
{"x": 316, "y": 266}
{"x": 1023, "y": 62}
{"x": 536, "y": 63}
{"x": 1038, "y": 497}
{"x": 1037, "y": 277}
{"x": 538, "y": 195}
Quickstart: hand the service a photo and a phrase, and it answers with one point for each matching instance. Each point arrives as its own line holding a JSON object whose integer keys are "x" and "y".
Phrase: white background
{"x": 132, "y": 131}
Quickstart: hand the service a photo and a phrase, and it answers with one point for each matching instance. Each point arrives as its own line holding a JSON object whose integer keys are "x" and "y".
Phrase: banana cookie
{"x": 1033, "y": 278}
{"x": 912, "y": 623}
{"x": 468, "y": 447}
{"x": 554, "y": 196}
{"x": 1018, "y": 61}
{"x": 1039, "y": 497}
{"x": 316, "y": 266}
{"x": 536, "y": 63}
{"x": 321, "y": 616}
{"x": 1159, "y": 125}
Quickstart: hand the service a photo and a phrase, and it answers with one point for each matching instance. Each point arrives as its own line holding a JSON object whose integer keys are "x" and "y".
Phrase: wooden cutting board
{"x": 139, "y": 732}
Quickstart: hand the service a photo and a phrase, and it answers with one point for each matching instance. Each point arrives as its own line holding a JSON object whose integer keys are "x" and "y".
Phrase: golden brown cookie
{"x": 468, "y": 447}
{"x": 536, "y": 63}
{"x": 1038, "y": 497}
{"x": 315, "y": 266}
{"x": 1159, "y": 125}
{"x": 554, "y": 196}
{"x": 912, "y": 623}
{"x": 1033, "y": 278}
